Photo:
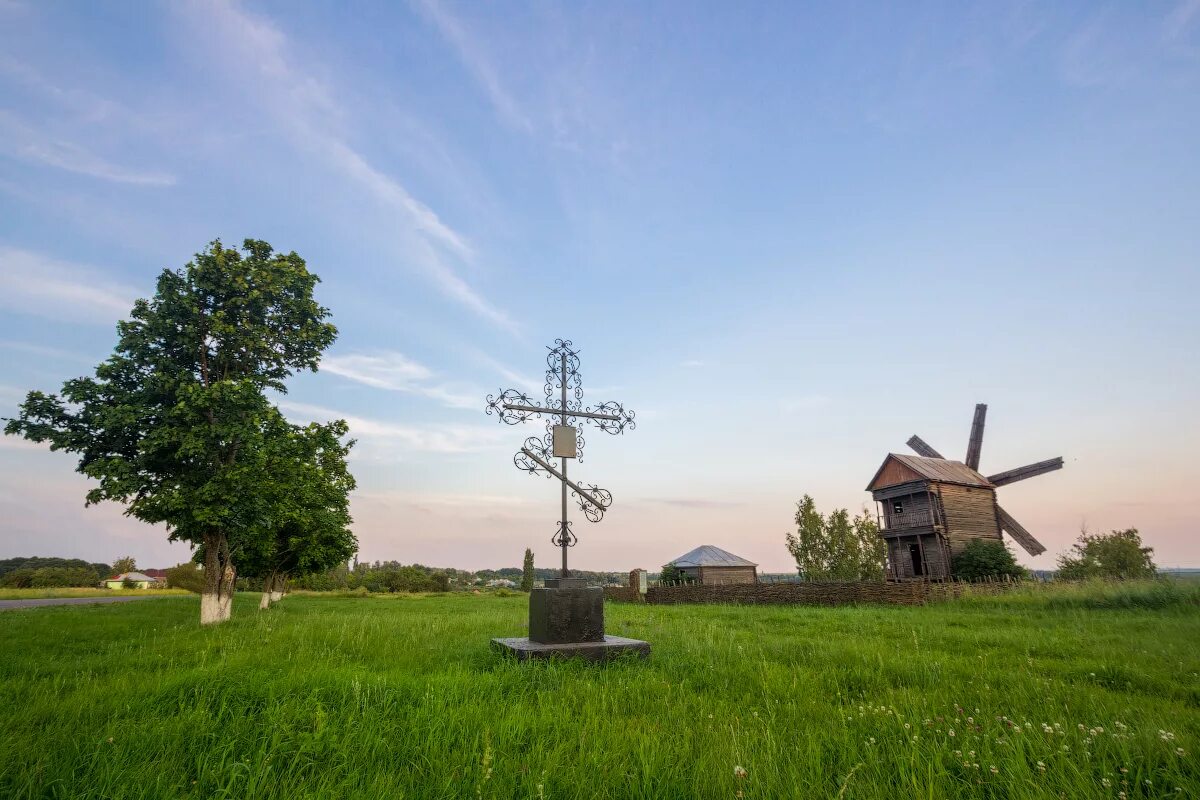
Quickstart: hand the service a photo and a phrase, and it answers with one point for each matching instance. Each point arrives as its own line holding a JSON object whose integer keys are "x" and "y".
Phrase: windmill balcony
{"x": 895, "y": 523}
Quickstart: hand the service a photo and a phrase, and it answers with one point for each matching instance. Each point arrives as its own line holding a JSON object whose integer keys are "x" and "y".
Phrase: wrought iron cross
{"x": 564, "y": 436}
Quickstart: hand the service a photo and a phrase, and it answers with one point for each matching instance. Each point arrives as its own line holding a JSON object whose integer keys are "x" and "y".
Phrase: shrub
{"x": 187, "y": 576}
{"x": 987, "y": 558}
{"x": 1107, "y": 555}
{"x": 672, "y": 574}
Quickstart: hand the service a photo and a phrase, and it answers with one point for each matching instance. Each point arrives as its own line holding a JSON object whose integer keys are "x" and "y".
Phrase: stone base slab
{"x": 610, "y": 647}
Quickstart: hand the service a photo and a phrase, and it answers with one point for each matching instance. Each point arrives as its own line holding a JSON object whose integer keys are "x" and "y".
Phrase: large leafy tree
{"x": 1119, "y": 554}
{"x": 309, "y": 528}
{"x": 836, "y": 547}
{"x": 176, "y": 423}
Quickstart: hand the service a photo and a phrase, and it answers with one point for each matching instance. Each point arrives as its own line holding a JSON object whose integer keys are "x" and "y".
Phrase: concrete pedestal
{"x": 608, "y": 648}
{"x": 566, "y": 615}
{"x": 566, "y": 619}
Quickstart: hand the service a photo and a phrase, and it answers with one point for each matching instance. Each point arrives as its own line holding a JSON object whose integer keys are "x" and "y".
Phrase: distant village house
{"x": 712, "y": 565}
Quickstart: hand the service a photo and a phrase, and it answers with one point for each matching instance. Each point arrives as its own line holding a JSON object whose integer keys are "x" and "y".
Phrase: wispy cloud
{"x": 308, "y": 110}
{"x": 398, "y": 373}
{"x": 1180, "y": 18}
{"x": 432, "y": 438}
{"x": 476, "y": 60}
{"x": 46, "y": 352}
{"x": 20, "y": 140}
{"x": 692, "y": 363}
{"x": 33, "y": 283}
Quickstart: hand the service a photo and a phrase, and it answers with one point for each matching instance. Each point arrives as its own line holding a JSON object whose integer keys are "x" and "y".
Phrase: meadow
{"x": 1090, "y": 692}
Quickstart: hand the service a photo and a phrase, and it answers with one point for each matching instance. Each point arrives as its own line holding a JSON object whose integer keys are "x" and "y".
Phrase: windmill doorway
{"x": 918, "y": 564}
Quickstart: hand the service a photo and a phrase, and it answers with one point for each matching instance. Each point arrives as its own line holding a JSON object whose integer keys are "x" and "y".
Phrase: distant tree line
{"x": 38, "y": 572}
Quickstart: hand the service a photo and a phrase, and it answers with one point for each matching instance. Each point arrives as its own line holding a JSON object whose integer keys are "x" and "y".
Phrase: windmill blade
{"x": 975, "y": 445}
{"x": 918, "y": 444}
{"x": 1027, "y": 471}
{"x": 1018, "y": 533}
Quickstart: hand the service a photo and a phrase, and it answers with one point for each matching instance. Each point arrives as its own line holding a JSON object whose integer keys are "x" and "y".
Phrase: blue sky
{"x": 788, "y": 237}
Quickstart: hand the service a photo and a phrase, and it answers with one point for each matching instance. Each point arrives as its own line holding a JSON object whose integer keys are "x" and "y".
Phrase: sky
{"x": 788, "y": 236}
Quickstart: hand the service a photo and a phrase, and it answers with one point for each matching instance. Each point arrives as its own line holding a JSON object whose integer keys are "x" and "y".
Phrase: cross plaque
{"x": 564, "y": 437}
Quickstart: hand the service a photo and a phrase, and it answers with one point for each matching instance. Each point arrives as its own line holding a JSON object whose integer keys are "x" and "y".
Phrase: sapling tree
{"x": 176, "y": 424}
{"x": 527, "y": 573}
{"x": 837, "y": 547}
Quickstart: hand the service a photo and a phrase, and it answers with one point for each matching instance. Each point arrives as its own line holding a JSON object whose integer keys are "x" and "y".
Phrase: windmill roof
{"x": 934, "y": 469}
{"x": 706, "y": 555}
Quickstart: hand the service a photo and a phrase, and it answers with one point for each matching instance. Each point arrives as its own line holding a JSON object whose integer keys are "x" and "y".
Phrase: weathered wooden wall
{"x": 723, "y": 575}
{"x": 970, "y": 513}
{"x": 900, "y": 561}
{"x": 913, "y": 504}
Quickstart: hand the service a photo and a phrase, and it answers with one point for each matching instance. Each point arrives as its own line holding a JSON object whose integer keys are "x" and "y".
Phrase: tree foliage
{"x": 836, "y": 547}
{"x": 1118, "y": 554}
{"x": 987, "y": 558}
{"x": 527, "y": 572}
{"x": 672, "y": 574}
{"x": 308, "y": 527}
{"x": 175, "y": 424}
{"x": 123, "y": 565}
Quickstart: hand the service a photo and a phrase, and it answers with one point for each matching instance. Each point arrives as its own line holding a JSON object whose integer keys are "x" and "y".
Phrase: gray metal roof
{"x": 133, "y": 576}
{"x": 938, "y": 469}
{"x": 706, "y": 555}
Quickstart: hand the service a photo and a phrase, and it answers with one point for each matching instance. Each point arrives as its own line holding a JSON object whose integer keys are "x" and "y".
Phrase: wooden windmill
{"x": 932, "y": 507}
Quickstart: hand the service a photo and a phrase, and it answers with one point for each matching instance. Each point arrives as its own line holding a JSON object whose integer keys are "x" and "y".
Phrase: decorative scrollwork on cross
{"x": 564, "y": 434}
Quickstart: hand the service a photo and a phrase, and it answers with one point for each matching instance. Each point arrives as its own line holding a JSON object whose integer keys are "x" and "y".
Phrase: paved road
{"x": 67, "y": 601}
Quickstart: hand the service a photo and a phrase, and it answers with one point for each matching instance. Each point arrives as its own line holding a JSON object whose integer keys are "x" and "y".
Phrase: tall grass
{"x": 1095, "y": 594}
{"x": 349, "y": 698}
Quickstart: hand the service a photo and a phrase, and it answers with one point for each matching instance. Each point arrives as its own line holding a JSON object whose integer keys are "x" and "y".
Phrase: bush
{"x": 1107, "y": 555}
{"x": 187, "y": 576}
{"x": 987, "y": 558}
{"x": 672, "y": 574}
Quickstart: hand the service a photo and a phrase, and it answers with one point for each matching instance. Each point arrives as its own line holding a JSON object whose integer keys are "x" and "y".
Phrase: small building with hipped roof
{"x": 708, "y": 564}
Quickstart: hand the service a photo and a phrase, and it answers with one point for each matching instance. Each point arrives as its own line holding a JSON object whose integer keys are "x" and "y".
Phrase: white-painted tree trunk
{"x": 265, "y": 602}
{"x": 216, "y": 601}
{"x": 277, "y": 587}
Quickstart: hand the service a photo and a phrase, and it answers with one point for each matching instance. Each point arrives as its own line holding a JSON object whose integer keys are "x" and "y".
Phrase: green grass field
{"x": 1079, "y": 694}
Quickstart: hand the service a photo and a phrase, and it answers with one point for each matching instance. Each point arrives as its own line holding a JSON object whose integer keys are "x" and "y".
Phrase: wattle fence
{"x": 907, "y": 593}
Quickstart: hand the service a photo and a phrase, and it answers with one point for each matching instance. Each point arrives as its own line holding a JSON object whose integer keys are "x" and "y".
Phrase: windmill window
{"x": 897, "y": 507}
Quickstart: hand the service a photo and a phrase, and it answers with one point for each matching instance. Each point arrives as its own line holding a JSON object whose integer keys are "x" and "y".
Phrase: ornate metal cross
{"x": 564, "y": 436}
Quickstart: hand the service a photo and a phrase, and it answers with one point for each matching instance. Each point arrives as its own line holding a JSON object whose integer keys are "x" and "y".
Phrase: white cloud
{"x": 21, "y": 140}
{"x": 398, "y": 373}
{"x": 309, "y": 111}
{"x": 428, "y": 439}
{"x": 473, "y": 57}
{"x": 36, "y": 284}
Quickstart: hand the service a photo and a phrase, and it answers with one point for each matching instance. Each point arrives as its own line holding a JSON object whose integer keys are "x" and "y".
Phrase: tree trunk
{"x": 278, "y": 584}
{"x": 268, "y": 593}
{"x": 216, "y": 601}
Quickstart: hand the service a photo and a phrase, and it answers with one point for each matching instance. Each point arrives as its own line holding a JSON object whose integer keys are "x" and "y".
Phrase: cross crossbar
{"x": 559, "y": 411}
{"x": 579, "y": 490}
